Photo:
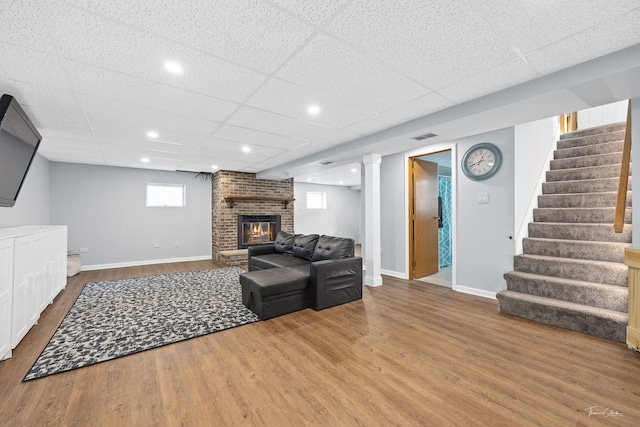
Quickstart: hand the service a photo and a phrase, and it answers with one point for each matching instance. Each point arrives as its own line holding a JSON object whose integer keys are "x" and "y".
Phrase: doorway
{"x": 430, "y": 217}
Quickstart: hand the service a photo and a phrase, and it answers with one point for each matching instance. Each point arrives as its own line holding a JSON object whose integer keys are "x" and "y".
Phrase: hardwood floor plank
{"x": 408, "y": 354}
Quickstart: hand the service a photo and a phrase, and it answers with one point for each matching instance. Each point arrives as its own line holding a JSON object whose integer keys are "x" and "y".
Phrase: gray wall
{"x": 33, "y": 204}
{"x": 484, "y": 250}
{"x": 105, "y": 210}
{"x": 341, "y": 218}
{"x": 393, "y": 219}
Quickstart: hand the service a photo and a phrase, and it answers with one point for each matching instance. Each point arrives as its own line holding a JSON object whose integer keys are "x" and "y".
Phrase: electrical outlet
{"x": 177, "y": 244}
{"x": 84, "y": 250}
{"x": 156, "y": 245}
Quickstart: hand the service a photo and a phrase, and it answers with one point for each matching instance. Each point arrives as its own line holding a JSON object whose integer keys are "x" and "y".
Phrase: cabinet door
{"x": 6, "y": 292}
{"x": 44, "y": 281}
{"x": 25, "y": 278}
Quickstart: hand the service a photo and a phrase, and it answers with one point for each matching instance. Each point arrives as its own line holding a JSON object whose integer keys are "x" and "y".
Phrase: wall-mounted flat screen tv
{"x": 19, "y": 141}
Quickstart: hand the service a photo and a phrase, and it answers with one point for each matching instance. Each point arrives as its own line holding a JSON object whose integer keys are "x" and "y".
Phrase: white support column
{"x": 372, "y": 219}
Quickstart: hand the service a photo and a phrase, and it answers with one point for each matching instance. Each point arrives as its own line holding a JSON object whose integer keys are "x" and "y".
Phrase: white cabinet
{"x": 36, "y": 273}
{"x": 6, "y": 292}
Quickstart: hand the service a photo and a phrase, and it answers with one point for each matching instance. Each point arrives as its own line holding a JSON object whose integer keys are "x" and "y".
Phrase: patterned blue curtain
{"x": 444, "y": 233}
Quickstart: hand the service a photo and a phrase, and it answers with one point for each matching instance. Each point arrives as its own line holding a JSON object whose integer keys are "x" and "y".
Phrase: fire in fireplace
{"x": 257, "y": 229}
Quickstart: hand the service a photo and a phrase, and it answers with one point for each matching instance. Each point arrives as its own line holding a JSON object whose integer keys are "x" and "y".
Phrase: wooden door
{"x": 424, "y": 218}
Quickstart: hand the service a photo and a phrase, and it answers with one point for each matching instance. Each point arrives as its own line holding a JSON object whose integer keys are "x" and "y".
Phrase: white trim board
{"x": 476, "y": 292}
{"x": 144, "y": 262}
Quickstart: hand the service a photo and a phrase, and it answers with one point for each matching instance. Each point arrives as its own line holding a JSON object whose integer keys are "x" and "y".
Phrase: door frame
{"x": 425, "y": 151}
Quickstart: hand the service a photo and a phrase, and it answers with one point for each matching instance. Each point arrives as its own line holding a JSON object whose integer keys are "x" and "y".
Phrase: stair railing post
{"x": 621, "y": 201}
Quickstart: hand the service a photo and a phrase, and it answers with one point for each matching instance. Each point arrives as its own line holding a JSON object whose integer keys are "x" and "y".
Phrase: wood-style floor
{"x": 407, "y": 354}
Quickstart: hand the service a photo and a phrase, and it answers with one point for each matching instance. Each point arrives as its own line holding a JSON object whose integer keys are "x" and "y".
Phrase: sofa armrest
{"x": 261, "y": 250}
{"x": 334, "y": 282}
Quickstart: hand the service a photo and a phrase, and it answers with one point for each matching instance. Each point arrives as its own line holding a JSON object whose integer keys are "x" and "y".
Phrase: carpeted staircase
{"x": 572, "y": 273}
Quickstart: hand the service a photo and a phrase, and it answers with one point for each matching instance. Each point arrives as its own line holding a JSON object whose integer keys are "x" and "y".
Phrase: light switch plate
{"x": 483, "y": 197}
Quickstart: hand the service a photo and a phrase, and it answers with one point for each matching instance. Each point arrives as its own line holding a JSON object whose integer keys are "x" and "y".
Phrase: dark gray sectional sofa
{"x": 300, "y": 271}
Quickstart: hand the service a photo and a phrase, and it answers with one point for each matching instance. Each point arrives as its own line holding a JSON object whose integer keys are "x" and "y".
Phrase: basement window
{"x": 166, "y": 195}
{"x": 316, "y": 200}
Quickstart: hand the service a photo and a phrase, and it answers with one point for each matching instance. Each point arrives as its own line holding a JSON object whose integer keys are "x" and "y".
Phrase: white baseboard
{"x": 396, "y": 274}
{"x": 474, "y": 291}
{"x": 147, "y": 262}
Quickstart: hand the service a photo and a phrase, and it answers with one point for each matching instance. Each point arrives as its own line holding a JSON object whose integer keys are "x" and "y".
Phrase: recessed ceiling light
{"x": 145, "y": 160}
{"x": 340, "y": 182}
{"x": 354, "y": 170}
{"x": 152, "y": 134}
{"x": 246, "y": 149}
{"x": 214, "y": 166}
{"x": 173, "y": 67}
{"x": 313, "y": 110}
{"x": 308, "y": 179}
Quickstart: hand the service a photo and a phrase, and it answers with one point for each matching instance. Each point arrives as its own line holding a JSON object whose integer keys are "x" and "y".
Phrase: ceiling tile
{"x": 436, "y": 42}
{"x": 44, "y": 118}
{"x": 90, "y": 80}
{"x": 531, "y": 25}
{"x": 251, "y": 136}
{"x": 22, "y": 25}
{"x": 373, "y": 124}
{"x": 591, "y": 43}
{"x": 111, "y": 119}
{"x": 418, "y": 107}
{"x": 328, "y": 66}
{"x": 499, "y": 77}
{"x": 90, "y": 39}
{"x": 316, "y": 12}
{"x": 26, "y": 65}
{"x": 250, "y": 33}
{"x": 336, "y": 138}
{"x": 269, "y": 122}
{"x": 293, "y": 101}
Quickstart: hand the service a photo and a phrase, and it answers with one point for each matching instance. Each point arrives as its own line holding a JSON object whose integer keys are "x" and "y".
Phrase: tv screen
{"x": 19, "y": 141}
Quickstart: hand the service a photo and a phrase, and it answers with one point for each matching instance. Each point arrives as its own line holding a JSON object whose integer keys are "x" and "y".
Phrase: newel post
{"x": 632, "y": 259}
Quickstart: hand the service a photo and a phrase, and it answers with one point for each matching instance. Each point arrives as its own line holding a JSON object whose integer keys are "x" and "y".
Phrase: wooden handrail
{"x": 621, "y": 201}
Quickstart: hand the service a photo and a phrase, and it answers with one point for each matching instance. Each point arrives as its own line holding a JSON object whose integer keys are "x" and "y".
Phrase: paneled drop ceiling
{"x": 91, "y": 74}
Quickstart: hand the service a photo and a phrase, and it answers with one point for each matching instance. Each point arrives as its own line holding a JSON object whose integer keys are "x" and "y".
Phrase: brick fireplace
{"x": 241, "y": 193}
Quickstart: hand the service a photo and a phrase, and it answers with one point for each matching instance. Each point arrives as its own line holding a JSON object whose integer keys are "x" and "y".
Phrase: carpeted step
{"x": 583, "y": 318}
{"x": 587, "y": 232}
{"x": 578, "y": 215}
{"x": 589, "y": 150}
{"x": 612, "y": 127}
{"x": 586, "y": 161}
{"x": 610, "y": 297}
{"x": 611, "y": 273}
{"x": 581, "y": 200}
{"x": 583, "y": 186}
{"x": 576, "y": 249}
{"x": 574, "y": 174}
{"x": 596, "y": 139}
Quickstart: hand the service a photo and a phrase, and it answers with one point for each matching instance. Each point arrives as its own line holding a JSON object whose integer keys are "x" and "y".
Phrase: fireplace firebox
{"x": 257, "y": 229}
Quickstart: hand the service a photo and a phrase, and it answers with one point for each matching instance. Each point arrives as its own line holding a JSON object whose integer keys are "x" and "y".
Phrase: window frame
{"x": 323, "y": 200}
{"x": 159, "y": 185}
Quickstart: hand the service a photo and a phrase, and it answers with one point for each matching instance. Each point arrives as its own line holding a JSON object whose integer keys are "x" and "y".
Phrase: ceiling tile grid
{"x": 91, "y": 73}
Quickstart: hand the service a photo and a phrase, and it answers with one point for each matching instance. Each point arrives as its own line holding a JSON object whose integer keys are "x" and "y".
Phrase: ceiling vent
{"x": 425, "y": 136}
{"x": 325, "y": 163}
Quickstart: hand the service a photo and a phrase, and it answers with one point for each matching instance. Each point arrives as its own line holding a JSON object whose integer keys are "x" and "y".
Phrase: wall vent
{"x": 425, "y": 136}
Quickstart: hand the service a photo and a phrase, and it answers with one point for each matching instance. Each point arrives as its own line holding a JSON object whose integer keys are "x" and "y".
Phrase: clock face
{"x": 482, "y": 161}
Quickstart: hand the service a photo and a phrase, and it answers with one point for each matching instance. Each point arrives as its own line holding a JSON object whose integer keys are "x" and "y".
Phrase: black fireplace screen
{"x": 257, "y": 229}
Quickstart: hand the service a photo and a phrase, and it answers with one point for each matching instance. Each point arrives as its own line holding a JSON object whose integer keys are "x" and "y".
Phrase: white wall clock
{"x": 482, "y": 161}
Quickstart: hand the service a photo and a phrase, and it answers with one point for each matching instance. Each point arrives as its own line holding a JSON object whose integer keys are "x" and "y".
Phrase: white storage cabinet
{"x": 33, "y": 264}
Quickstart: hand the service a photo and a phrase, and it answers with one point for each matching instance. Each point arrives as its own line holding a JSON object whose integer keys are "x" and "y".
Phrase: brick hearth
{"x": 224, "y": 219}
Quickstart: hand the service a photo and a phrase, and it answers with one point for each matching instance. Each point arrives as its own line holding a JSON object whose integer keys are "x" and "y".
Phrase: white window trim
{"x": 323, "y": 200}
{"x": 165, "y": 185}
